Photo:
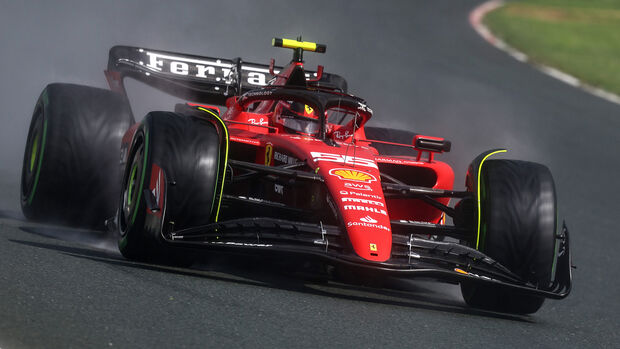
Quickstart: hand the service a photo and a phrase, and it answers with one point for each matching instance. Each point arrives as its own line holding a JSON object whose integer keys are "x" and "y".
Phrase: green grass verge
{"x": 580, "y": 37}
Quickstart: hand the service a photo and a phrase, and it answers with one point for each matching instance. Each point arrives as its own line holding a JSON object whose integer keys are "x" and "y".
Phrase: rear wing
{"x": 197, "y": 78}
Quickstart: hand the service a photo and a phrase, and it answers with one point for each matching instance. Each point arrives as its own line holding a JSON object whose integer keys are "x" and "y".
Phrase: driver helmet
{"x": 296, "y": 117}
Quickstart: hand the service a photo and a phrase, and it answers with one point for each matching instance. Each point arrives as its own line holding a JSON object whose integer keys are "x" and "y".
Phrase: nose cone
{"x": 356, "y": 189}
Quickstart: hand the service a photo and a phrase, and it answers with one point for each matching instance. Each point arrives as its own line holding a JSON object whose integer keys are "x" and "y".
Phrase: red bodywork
{"x": 350, "y": 170}
{"x": 300, "y": 175}
{"x": 348, "y": 163}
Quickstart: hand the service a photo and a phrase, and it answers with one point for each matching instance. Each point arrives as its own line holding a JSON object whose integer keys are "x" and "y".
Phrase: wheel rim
{"x": 132, "y": 187}
{"x": 33, "y": 156}
{"x": 33, "y": 153}
{"x": 132, "y": 182}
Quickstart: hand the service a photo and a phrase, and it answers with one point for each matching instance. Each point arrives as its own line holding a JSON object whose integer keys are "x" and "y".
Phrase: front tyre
{"x": 170, "y": 183}
{"x": 517, "y": 229}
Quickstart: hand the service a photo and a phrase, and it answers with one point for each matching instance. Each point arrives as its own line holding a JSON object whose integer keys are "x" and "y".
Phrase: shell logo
{"x": 352, "y": 175}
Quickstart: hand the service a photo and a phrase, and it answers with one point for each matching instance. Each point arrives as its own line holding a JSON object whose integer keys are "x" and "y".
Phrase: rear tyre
{"x": 183, "y": 193}
{"x": 70, "y": 172}
{"x": 517, "y": 229}
{"x": 391, "y": 135}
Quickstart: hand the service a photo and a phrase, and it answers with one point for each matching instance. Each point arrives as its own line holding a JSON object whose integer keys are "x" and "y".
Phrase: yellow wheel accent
{"x": 219, "y": 203}
{"x": 132, "y": 182}
{"x": 478, "y": 192}
{"x": 33, "y": 153}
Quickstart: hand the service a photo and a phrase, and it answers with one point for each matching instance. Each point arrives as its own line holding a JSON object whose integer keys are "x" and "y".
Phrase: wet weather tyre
{"x": 71, "y": 170}
{"x": 391, "y": 135}
{"x": 518, "y": 227}
{"x": 187, "y": 150}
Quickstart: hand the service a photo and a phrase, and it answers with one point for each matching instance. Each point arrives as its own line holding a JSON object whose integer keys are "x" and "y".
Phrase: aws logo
{"x": 357, "y": 186}
{"x": 352, "y": 175}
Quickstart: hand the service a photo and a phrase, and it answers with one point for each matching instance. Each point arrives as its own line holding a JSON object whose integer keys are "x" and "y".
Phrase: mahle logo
{"x": 352, "y": 175}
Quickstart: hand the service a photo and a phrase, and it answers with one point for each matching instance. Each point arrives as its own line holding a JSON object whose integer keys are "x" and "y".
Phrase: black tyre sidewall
{"x": 133, "y": 243}
{"x": 77, "y": 180}
{"x": 186, "y": 148}
{"x": 28, "y": 177}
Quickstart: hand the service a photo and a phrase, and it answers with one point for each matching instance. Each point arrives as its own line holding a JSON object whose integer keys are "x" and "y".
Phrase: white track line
{"x": 475, "y": 19}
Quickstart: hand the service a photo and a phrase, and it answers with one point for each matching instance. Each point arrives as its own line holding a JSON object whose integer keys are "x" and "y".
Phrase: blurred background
{"x": 421, "y": 67}
{"x": 414, "y": 69}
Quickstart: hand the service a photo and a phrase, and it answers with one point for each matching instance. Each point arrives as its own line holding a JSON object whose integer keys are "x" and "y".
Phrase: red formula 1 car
{"x": 289, "y": 169}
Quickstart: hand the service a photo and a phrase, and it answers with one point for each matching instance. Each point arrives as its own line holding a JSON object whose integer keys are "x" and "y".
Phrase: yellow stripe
{"x": 478, "y": 193}
{"x": 217, "y": 214}
{"x": 305, "y": 45}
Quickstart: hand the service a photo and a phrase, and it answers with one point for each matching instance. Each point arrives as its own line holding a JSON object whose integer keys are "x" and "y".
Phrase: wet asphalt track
{"x": 420, "y": 66}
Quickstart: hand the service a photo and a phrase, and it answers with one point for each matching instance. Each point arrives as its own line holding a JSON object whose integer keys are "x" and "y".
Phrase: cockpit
{"x": 302, "y": 111}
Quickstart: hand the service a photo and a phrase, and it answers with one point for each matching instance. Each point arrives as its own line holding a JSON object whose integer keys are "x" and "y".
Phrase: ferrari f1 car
{"x": 288, "y": 169}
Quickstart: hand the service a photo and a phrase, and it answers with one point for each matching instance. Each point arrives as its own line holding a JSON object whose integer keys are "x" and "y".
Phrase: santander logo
{"x": 368, "y": 219}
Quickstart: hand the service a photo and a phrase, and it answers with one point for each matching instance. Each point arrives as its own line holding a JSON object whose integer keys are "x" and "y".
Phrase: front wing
{"x": 412, "y": 256}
